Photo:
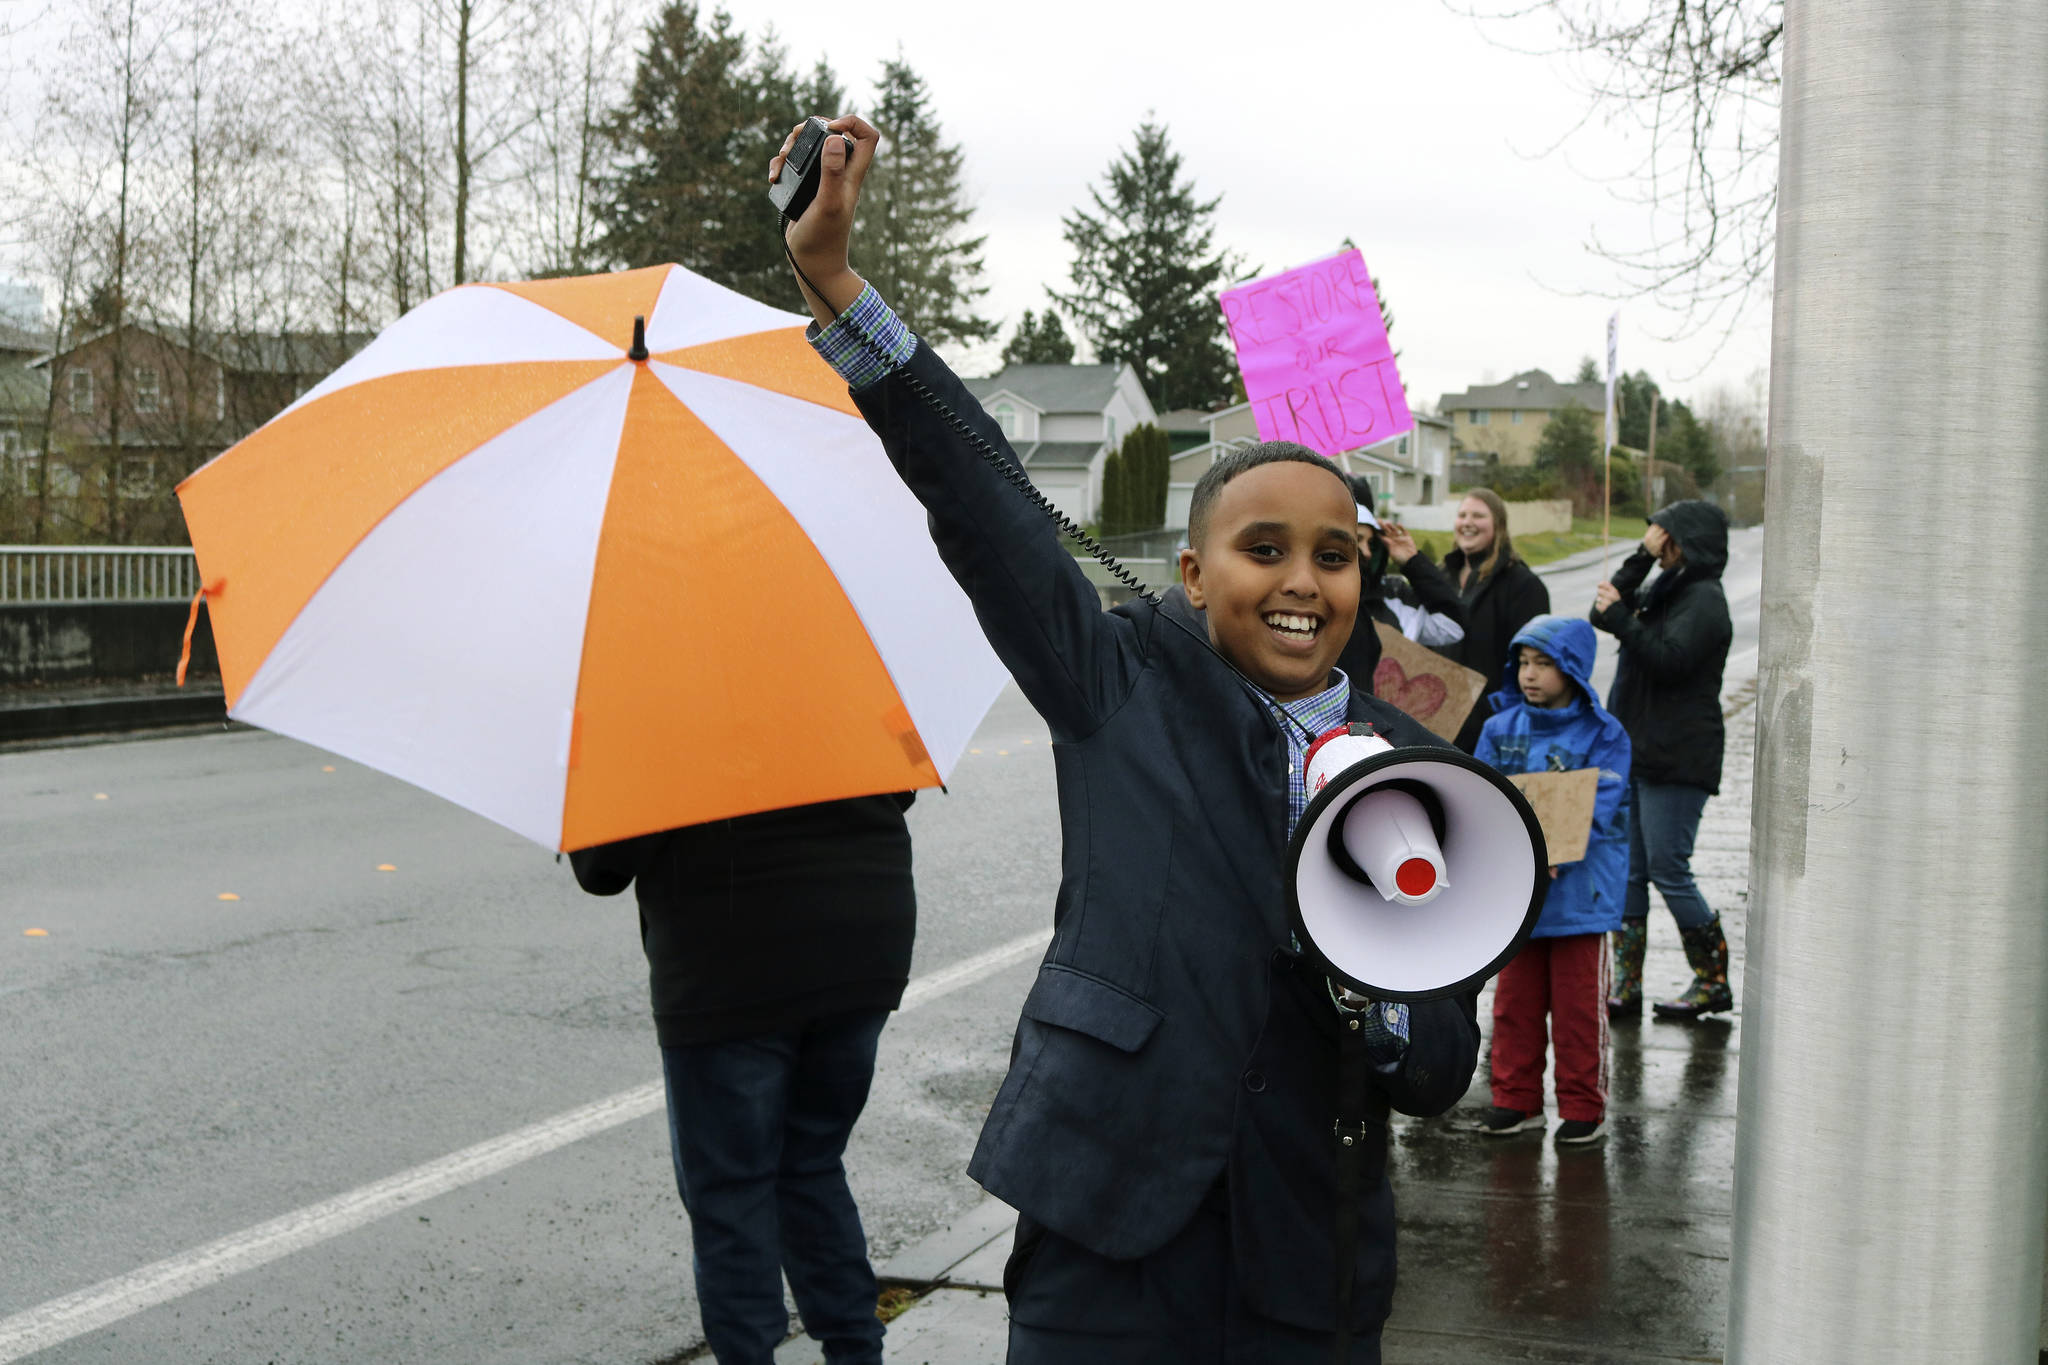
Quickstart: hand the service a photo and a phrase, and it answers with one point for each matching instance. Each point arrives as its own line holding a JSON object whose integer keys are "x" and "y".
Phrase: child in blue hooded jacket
{"x": 1548, "y": 720}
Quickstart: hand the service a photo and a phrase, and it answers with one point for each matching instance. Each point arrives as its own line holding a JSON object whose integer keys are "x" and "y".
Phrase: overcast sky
{"x": 1396, "y": 123}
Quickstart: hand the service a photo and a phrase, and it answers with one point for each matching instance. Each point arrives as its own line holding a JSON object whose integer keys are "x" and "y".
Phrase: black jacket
{"x": 1432, "y": 590}
{"x": 1674, "y": 643}
{"x": 1172, "y": 1038}
{"x": 1496, "y": 608}
{"x": 762, "y": 923}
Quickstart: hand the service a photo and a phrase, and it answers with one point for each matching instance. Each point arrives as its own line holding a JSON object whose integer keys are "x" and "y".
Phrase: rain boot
{"x": 1629, "y": 942}
{"x": 1706, "y": 949}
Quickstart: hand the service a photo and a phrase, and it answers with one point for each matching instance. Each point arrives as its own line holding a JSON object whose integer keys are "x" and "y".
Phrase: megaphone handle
{"x": 1353, "y": 1085}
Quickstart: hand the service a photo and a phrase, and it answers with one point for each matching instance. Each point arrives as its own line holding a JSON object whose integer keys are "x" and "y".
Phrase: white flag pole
{"x": 1608, "y": 429}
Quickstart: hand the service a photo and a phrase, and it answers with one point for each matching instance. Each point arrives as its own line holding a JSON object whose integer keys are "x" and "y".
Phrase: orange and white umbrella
{"x": 586, "y": 596}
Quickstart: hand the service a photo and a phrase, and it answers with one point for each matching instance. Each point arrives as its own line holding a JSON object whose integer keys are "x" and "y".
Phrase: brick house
{"x": 171, "y": 407}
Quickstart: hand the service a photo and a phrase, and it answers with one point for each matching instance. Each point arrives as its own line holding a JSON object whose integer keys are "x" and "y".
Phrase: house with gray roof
{"x": 1507, "y": 419}
{"x": 1063, "y": 421}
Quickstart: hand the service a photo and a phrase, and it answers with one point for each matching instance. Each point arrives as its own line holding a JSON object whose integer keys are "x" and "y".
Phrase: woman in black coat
{"x": 1500, "y": 594}
{"x": 1674, "y": 637}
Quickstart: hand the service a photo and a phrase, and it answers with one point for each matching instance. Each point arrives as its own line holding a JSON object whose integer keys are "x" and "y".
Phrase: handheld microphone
{"x": 797, "y": 183}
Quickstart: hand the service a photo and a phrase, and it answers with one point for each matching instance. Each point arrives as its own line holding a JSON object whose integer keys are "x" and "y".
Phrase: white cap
{"x": 1365, "y": 515}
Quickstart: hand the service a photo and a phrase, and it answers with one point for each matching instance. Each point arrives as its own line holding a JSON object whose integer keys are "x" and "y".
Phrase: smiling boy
{"x": 1272, "y": 558}
{"x": 1168, "y": 1127}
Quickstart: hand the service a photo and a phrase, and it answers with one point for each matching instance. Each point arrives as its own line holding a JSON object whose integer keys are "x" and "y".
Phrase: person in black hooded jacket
{"x": 1674, "y": 637}
{"x": 776, "y": 946}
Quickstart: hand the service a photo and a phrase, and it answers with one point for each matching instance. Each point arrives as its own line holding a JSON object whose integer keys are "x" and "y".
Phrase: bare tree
{"x": 61, "y": 240}
{"x": 570, "y": 83}
{"x": 96, "y": 139}
{"x": 1698, "y": 81}
{"x": 229, "y": 145}
{"x": 480, "y": 43}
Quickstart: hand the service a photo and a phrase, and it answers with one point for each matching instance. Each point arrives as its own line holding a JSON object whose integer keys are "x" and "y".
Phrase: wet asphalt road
{"x": 176, "y": 1067}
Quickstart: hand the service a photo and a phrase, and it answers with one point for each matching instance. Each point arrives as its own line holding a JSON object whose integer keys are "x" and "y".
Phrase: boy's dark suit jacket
{"x": 1172, "y": 1040}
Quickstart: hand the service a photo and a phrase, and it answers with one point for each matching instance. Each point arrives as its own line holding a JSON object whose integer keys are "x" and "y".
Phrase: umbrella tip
{"x": 639, "y": 351}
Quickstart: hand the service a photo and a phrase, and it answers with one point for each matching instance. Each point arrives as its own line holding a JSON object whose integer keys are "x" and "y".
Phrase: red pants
{"x": 1565, "y": 978}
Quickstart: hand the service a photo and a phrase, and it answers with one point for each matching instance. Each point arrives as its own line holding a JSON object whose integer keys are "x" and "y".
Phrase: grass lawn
{"x": 1549, "y": 545}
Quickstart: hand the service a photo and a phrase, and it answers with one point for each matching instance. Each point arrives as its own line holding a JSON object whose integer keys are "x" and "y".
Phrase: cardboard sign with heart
{"x": 1423, "y": 683}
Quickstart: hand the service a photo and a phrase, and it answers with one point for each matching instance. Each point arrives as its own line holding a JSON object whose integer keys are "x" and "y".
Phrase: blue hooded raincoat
{"x": 1520, "y": 738}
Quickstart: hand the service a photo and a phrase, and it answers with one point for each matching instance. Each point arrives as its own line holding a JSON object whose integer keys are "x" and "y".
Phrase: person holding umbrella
{"x": 1674, "y": 637}
{"x": 776, "y": 946}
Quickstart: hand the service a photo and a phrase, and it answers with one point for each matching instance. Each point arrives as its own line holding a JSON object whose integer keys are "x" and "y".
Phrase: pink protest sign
{"x": 1316, "y": 361}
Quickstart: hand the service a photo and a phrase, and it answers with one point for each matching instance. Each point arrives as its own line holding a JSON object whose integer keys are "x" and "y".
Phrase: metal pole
{"x": 1890, "y": 1191}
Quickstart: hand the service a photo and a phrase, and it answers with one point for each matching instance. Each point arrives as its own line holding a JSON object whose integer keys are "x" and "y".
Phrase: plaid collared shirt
{"x": 1318, "y": 715}
{"x": 866, "y": 342}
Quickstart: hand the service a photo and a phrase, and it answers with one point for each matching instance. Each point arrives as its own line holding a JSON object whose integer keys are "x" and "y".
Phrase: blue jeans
{"x": 758, "y": 1127}
{"x": 1663, "y": 819}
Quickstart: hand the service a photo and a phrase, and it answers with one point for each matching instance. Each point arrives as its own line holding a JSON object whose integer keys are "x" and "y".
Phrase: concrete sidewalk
{"x": 1511, "y": 1251}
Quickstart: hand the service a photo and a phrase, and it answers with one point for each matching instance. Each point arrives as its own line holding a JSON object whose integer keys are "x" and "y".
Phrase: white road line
{"x": 932, "y": 985}
{"x": 109, "y": 1301}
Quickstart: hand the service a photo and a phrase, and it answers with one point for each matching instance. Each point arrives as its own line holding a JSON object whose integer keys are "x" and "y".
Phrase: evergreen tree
{"x": 1570, "y": 442}
{"x": 1589, "y": 371}
{"x": 1379, "y": 294}
{"x": 1386, "y": 314}
{"x": 1113, "y": 517}
{"x": 1684, "y": 440}
{"x": 1633, "y": 394}
{"x": 909, "y": 242}
{"x": 821, "y": 93}
{"x": 1146, "y": 452}
{"x": 1040, "y": 340}
{"x": 690, "y": 147}
{"x": 1146, "y": 273}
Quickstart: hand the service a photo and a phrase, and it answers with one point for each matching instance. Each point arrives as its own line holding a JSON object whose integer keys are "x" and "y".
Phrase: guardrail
{"x": 41, "y": 575}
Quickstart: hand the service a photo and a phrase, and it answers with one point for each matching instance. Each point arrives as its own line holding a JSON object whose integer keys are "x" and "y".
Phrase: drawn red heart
{"x": 1421, "y": 696}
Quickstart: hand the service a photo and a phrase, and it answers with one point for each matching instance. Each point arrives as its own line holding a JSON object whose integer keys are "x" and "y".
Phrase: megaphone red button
{"x": 1416, "y": 877}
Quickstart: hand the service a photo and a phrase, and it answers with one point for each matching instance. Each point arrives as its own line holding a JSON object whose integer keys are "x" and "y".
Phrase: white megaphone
{"x": 1414, "y": 873}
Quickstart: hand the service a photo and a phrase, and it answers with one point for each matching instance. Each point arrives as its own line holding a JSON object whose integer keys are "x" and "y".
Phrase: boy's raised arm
{"x": 1074, "y": 662}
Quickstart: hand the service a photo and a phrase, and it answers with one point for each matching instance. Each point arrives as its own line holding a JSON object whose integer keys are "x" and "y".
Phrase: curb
{"x": 959, "y": 1315}
{"x": 967, "y": 1253}
{"x": 84, "y": 716}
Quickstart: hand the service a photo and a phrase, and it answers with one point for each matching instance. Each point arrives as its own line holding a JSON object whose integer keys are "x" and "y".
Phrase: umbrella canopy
{"x": 584, "y": 596}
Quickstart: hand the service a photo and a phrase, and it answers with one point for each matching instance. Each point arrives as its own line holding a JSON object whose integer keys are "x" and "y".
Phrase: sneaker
{"x": 1499, "y": 1122}
{"x": 1580, "y": 1132}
